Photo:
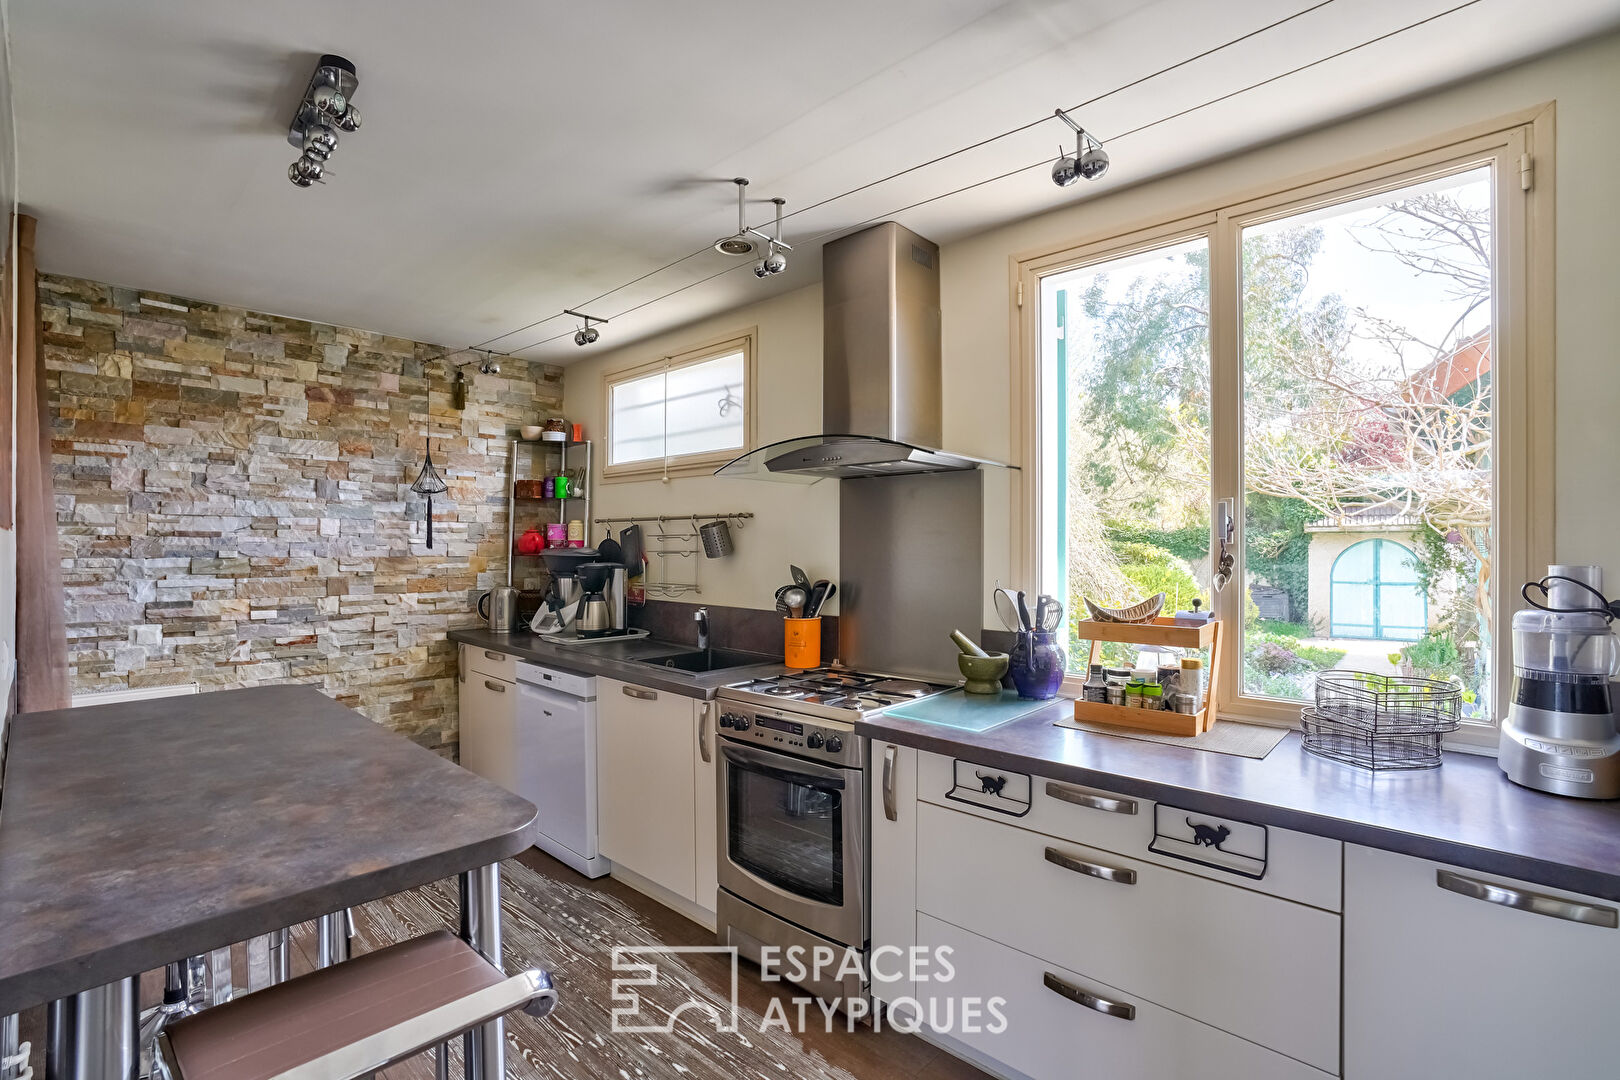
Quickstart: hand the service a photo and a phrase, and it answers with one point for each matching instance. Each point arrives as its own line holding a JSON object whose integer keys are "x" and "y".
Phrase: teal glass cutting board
{"x": 967, "y": 712}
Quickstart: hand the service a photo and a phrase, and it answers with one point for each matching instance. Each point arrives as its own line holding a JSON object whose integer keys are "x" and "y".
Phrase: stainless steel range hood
{"x": 881, "y": 378}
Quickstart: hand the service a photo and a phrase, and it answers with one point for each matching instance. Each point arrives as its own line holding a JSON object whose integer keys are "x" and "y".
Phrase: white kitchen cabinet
{"x": 1258, "y": 966}
{"x": 487, "y": 708}
{"x": 706, "y": 800}
{"x": 1441, "y": 981}
{"x": 1051, "y": 1023}
{"x": 893, "y": 815}
{"x": 646, "y": 772}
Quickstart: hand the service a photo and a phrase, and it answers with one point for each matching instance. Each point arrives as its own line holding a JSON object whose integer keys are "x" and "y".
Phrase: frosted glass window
{"x": 680, "y": 412}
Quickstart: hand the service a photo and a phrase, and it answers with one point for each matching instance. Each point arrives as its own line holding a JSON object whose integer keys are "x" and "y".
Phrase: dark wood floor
{"x": 556, "y": 919}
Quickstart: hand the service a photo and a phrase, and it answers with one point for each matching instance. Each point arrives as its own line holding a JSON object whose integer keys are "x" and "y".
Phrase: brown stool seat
{"x": 388, "y": 996}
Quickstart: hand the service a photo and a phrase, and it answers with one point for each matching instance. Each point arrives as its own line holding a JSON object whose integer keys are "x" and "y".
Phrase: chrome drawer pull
{"x": 890, "y": 810}
{"x": 1522, "y": 900}
{"x": 637, "y": 692}
{"x": 1085, "y": 798}
{"x": 499, "y": 688}
{"x": 703, "y": 734}
{"x": 1091, "y": 1001}
{"x": 495, "y": 655}
{"x": 1091, "y": 869}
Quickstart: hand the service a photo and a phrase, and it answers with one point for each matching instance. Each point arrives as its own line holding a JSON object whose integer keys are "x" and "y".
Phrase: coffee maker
{"x": 1560, "y": 732}
{"x": 601, "y": 601}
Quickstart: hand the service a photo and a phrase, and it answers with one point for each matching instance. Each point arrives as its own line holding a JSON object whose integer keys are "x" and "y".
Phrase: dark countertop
{"x": 1465, "y": 812}
{"x": 139, "y": 833}
{"x": 617, "y": 660}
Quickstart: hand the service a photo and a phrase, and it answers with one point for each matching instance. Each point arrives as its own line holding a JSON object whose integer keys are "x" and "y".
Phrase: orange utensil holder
{"x": 801, "y": 643}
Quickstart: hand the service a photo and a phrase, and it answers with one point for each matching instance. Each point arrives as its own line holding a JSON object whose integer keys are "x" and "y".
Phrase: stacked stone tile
{"x": 234, "y": 507}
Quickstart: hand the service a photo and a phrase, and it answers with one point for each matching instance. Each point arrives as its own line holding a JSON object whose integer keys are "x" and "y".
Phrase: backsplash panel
{"x": 234, "y": 507}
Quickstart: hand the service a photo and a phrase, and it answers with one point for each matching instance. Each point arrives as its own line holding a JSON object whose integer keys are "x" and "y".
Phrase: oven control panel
{"x": 777, "y": 730}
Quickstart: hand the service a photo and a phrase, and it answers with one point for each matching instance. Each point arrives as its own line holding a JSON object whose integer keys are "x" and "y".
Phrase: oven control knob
{"x": 741, "y": 723}
{"x": 834, "y": 744}
{"x": 727, "y": 719}
{"x": 814, "y": 740}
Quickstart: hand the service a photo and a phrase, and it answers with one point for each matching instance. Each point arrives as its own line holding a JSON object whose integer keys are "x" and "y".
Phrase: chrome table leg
{"x": 332, "y": 939}
{"x": 485, "y": 1045}
{"x": 93, "y": 1035}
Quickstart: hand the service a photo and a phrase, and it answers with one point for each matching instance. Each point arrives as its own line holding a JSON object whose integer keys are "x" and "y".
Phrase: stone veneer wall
{"x": 233, "y": 497}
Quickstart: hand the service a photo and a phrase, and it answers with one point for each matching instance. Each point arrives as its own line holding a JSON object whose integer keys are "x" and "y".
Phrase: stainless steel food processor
{"x": 1559, "y": 734}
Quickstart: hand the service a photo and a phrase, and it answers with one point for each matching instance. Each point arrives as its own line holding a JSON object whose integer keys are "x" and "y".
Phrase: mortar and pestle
{"x": 982, "y": 670}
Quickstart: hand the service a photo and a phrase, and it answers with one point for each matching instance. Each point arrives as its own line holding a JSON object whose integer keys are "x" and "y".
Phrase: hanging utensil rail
{"x": 661, "y": 518}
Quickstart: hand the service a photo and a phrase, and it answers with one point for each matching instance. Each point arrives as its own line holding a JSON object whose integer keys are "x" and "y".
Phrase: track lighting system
{"x": 588, "y": 333}
{"x": 326, "y": 109}
{"x": 740, "y": 244}
{"x": 1090, "y": 160}
{"x": 774, "y": 262}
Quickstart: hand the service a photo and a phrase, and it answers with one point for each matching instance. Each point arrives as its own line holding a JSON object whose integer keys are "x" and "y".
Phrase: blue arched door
{"x": 1375, "y": 593}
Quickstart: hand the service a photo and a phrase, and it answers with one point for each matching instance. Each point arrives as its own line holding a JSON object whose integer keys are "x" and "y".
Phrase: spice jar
{"x": 1192, "y": 680}
{"x": 1096, "y": 686}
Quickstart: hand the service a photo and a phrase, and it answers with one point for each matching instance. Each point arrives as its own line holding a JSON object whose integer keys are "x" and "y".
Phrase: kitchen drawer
{"x": 1260, "y": 967}
{"x": 1294, "y": 865}
{"x": 497, "y": 665}
{"x": 1049, "y": 1036}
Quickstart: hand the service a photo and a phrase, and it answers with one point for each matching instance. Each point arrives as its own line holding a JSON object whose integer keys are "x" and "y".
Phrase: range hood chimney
{"x": 881, "y": 368}
{"x": 880, "y": 372}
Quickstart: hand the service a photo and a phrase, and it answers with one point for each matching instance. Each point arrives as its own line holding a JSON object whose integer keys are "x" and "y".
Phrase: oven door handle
{"x": 782, "y": 767}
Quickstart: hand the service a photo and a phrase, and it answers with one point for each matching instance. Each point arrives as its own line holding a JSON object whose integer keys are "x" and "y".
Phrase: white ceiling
{"x": 521, "y": 157}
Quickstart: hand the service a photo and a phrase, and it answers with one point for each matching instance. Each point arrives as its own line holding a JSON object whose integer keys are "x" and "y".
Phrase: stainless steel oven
{"x": 792, "y": 844}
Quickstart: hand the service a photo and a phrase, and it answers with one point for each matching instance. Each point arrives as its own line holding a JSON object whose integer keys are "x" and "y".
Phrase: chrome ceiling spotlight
{"x": 774, "y": 261}
{"x": 305, "y": 171}
{"x": 327, "y": 107}
{"x": 1090, "y": 160}
{"x": 741, "y": 244}
{"x": 587, "y": 334}
{"x": 489, "y": 366}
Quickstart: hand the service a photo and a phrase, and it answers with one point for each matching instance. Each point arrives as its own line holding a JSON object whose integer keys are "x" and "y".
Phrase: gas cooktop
{"x": 833, "y": 691}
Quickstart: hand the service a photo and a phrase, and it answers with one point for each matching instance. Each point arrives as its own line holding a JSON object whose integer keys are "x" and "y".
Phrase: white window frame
{"x": 746, "y": 342}
{"x": 1522, "y": 365}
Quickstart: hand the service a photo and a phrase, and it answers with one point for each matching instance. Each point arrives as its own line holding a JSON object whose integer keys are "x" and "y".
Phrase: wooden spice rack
{"x": 1165, "y": 633}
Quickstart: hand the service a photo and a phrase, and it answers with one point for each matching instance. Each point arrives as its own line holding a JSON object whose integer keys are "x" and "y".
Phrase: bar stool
{"x": 348, "y": 1021}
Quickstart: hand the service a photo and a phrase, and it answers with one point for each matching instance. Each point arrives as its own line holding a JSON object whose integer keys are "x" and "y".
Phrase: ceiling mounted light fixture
{"x": 741, "y": 244}
{"x": 327, "y": 107}
{"x": 1090, "y": 160}
{"x": 774, "y": 261}
{"x": 588, "y": 333}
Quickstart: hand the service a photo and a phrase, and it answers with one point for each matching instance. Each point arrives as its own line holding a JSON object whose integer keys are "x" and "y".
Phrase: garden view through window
{"x": 1365, "y": 333}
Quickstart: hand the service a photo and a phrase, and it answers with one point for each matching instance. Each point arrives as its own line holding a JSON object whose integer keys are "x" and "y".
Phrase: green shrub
{"x": 1270, "y": 658}
{"x": 1320, "y": 658}
{"x": 1435, "y": 656}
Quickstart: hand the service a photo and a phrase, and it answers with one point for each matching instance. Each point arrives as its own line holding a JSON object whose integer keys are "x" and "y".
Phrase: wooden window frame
{"x": 1522, "y": 365}
{"x": 703, "y": 464}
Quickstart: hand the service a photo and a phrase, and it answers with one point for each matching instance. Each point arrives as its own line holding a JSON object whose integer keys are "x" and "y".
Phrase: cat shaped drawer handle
{"x": 992, "y": 785}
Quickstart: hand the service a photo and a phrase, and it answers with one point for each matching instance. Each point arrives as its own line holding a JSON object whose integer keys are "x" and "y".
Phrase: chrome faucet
{"x": 701, "y": 617}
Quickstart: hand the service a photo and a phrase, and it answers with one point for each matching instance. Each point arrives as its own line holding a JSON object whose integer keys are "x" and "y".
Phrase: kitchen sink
{"x": 698, "y": 661}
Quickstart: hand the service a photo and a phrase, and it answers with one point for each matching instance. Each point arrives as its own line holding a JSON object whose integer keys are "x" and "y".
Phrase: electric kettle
{"x": 498, "y": 609}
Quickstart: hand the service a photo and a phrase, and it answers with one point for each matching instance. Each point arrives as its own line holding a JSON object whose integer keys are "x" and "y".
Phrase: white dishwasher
{"x": 548, "y": 756}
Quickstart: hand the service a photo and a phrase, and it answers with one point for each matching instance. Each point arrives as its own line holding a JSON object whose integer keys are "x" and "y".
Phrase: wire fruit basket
{"x": 1381, "y": 721}
{"x": 1358, "y": 746}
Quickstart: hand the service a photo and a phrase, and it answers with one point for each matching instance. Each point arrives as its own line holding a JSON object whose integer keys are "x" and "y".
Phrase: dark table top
{"x": 139, "y": 833}
{"x": 1465, "y": 812}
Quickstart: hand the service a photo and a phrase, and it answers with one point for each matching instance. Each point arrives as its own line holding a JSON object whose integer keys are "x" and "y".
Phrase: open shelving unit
{"x": 1164, "y": 633}
{"x": 525, "y": 463}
